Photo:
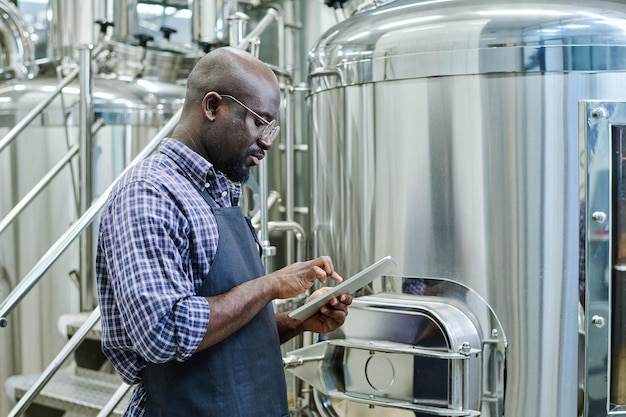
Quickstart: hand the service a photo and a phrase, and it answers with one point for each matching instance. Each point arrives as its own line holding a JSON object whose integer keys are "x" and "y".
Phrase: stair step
{"x": 74, "y": 390}
{"x": 70, "y": 323}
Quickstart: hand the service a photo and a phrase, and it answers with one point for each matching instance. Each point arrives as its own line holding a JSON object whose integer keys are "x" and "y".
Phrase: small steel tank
{"x": 447, "y": 134}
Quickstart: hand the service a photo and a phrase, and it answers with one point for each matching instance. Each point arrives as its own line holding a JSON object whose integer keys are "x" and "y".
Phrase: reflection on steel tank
{"x": 446, "y": 134}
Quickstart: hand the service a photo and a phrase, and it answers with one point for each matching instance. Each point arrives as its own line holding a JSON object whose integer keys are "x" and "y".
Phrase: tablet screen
{"x": 350, "y": 285}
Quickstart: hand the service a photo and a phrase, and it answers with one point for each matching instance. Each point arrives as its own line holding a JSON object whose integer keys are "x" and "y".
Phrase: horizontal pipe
{"x": 34, "y": 192}
{"x": 22, "y": 124}
{"x": 290, "y": 226}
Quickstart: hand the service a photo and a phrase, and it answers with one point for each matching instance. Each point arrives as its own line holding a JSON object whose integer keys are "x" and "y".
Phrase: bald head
{"x": 231, "y": 98}
{"x": 227, "y": 70}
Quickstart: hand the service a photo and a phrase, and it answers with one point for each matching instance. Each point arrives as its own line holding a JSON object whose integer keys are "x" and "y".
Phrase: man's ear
{"x": 210, "y": 102}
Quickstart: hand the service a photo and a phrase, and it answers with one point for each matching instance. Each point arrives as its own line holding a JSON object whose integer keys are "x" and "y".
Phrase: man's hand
{"x": 331, "y": 316}
{"x": 298, "y": 277}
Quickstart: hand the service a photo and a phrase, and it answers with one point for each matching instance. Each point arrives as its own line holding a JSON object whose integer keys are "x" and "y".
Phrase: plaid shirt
{"x": 156, "y": 242}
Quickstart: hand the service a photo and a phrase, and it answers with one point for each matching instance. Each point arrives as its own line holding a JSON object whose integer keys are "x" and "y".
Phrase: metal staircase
{"x": 72, "y": 389}
{"x": 84, "y": 386}
{"x": 70, "y": 383}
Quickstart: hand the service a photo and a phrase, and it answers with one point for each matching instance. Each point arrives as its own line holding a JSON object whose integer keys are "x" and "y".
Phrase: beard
{"x": 237, "y": 171}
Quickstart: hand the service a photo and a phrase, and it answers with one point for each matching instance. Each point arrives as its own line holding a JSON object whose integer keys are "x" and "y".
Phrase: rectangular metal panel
{"x": 603, "y": 222}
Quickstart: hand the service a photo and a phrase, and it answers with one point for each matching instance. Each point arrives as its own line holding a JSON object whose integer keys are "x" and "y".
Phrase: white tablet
{"x": 350, "y": 285}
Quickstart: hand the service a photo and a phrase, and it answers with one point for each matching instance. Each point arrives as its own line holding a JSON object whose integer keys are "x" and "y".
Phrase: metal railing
{"x": 52, "y": 255}
{"x": 35, "y": 274}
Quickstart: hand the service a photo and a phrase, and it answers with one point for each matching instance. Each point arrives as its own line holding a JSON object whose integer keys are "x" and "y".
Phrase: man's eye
{"x": 258, "y": 122}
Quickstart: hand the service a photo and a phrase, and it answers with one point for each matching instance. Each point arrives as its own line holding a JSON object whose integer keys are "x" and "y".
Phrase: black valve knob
{"x": 104, "y": 25}
{"x": 337, "y": 4}
{"x": 144, "y": 39}
{"x": 167, "y": 32}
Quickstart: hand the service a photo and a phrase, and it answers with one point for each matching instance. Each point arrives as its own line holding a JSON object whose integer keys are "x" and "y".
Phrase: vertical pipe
{"x": 125, "y": 19}
{"x": 209, "y": 23}
{"x": 268, "y": 250}
{"x": 71, "y": 22}
{"x": 203, "y": 17}
{"x": 289, "y": 139}
{"x": 55, "y": 36}
{"x": 289, "y": 170}
{"x": 87, "y": 301}
{"x": 238, "y": 24}
{"x": 104, "y": 9}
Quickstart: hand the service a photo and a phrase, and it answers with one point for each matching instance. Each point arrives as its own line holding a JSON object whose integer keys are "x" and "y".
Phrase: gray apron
{"x": 242, "y": 376}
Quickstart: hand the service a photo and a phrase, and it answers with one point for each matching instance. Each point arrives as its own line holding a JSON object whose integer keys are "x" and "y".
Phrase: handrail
{"x": 17, "y": 129}
{"x": 118, "y": 395}
{"x": 56, "y": 363}
{"x": 28, "y": 198}
{"x": 85, "y": 164}
{"x": 35, "y": 274}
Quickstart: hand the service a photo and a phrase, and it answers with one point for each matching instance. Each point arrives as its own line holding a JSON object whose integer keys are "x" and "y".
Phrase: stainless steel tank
{"x": 450, "y": 135}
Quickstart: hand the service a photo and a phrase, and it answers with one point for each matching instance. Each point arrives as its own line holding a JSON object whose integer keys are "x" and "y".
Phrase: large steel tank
{"x": 447, "y": 134}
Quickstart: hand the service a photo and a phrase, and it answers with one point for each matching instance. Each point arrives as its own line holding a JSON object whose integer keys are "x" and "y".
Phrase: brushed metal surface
{"x": 446, "y": 134}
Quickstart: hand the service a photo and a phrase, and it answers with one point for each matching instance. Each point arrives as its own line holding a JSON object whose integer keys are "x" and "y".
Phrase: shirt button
{"x": 224, "y": 193}
{"x": 207, "y": 185}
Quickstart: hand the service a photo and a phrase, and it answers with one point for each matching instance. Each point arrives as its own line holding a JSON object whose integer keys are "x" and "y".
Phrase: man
{"x": 186, "y": 307}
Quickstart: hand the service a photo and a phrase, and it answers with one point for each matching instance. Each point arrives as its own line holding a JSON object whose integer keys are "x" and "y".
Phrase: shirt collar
{"x": 200, "y": 172}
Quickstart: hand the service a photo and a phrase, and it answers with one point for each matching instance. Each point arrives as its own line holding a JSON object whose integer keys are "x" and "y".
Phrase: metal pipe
{"x": 280, "y": 18}
{"x": 39, "y": 187}
{"x": 36, "y": 111}
{"x": 56, "y": 363}
{"x": 270, "y": 16}
{"x": 73, "y": 177}
{"x": 87, "y": 301}
{"x": 114, "y": 400}
{"x": 37, "y": 271}
{"x": 71, "y": 23}
{"x": 291, "y": 226}
{"x": 125, "y": 19}
{"x": 289, "y": 168}
{"x": 279, "y": 71}
{"x": 34, "y": 192}
{"x": 267, "y": 249}
{"x": 289, "y": 137}
{"x": 209, "y": 23}
{"x": 272, "y": 199}
{"x": 237, "y": 25}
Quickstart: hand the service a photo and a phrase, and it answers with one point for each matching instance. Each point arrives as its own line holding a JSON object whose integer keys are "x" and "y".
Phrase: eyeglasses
{"x": 271, "y": 129}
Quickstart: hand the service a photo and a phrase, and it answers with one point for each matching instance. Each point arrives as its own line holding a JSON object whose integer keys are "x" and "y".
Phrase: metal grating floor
{"x": 75, "y": 390}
